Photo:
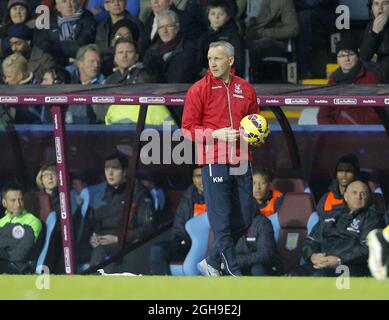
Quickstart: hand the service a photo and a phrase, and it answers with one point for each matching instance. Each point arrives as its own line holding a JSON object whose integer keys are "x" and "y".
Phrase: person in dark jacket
{"x": 171, "y": 59}
{"x": 106, "y": 224}
{"x": 71, "y": 29}
{"x": 105, "y": 31}
{"x": 351, "y": 70}
{"x": 347, "y": 170}
{"x": 19, "y": 233}
{"x": 221, "y": 27}
{"x": 341, "y": 239}
{"x": 376, "y": 38}
{"x": 192, "y": 203}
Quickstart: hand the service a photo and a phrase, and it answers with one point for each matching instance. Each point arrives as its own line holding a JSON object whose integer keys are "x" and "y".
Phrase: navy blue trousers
{"x": 229, "y": 205}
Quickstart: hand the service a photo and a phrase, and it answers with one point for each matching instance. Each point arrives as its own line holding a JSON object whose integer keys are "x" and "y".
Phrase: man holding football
{"x": 213, "y": 110}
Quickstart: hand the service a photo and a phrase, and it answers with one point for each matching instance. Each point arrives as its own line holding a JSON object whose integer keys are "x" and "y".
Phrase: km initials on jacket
{"x": 217, "y": 179}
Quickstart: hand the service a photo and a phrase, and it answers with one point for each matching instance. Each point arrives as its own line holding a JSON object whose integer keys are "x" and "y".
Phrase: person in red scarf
{"x": 171, "y": 59}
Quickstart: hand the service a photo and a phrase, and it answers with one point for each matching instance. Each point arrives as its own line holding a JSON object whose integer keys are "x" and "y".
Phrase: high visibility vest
{"x": 269, "y": 209}
{"x": 199, "y": 208}
{"x": 331, "y": 201}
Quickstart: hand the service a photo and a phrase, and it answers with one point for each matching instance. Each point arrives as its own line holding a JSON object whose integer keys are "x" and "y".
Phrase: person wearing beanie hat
{"x": 351, "y": 71}
{"x": 18, "y": 10}
{"x": 125, "y": 28}
{"x": 347, "y": 170}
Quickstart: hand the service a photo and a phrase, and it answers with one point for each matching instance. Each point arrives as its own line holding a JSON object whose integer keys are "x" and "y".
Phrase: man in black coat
{"x": 340, "y": 239}
{"x": 192, "y": 203}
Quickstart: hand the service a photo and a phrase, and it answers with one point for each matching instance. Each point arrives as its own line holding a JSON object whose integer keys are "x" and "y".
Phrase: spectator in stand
{"x": 171, "y": 59}
{"x": 256, "y": 251}
{"x": 20, "y": 37}
{"x": 191, "y": 204}
{"x": 341, "y": 240}
{"x": 19, "y": 233}
{"x": 269, "y": 28}
{"x": 316, "y": 20}
{"x": 87, "y": 72}
{"x": 347, "y": 170}
{"x": 221, "y": 27}
{"x": 376, "y": 38}
{"x": 18, "y": 12}
{"x": 70, "y": 29}
{"x": 268, "y": 200}
{"x": 97, "y": 7}
{"x": 351, "y": 70}
{"x": 105, "y": 33}
{"x": 55, "y": 75}
{"x": 108, "y": 215}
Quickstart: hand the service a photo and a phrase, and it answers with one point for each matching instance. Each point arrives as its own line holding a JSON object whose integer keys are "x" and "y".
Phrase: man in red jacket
{"x": 351, "y": 71}
{"x": 213, "y": 109}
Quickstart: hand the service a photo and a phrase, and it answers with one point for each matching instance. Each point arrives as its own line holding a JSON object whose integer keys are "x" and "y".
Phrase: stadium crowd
{"x": 165, "y": 41}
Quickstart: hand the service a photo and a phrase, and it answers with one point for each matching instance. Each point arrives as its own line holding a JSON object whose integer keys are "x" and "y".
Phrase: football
{"x": 254, "y": 128}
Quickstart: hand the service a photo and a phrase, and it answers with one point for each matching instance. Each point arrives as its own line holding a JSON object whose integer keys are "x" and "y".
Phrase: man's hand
{"x": 94, "y": 241}
{"x": 379, "y": 23}
{"x": 321, "y": 261}
{"x": 317, "y": 258}
{"x": 108, "y": 239}
{"x": 226, "y": 134}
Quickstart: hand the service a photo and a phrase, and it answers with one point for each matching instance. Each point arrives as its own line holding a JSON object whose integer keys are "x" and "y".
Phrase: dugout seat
{"x": 40, "y": 204}
{"x": 291, "y": 185}
{"x": 199, "y": 231}
{"x": 292, "y": 223}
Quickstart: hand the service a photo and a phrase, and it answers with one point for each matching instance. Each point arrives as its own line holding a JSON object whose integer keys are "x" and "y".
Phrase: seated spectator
{"x": 171, "y": 59}
{"x": 268, "y": 200}
{"x": 256, "y": 251}
{"x": 15, "y": 71}
{"x": 97, "y": 7}
{"x": 221, "y": 27}
{"x": 375, "y": 40}
{"x": 18, "y": 12}
{"x": 70, "y": 29}
{"x": 105, "y": 33}
{"x": 316, "y": 21}
{"x": 128, "y": 69}
{"x": 107, "y": 220}
{"x": 351, "y": 70}
{"x": 86, "y": 72}
{"x": 19, "y": 232}
{"x": 269, "y": 29}
{"x": 55, "y": 75}
{"x": 347, "y": 170}
{"x": 341, "y": 239}
{"x": 20, "y": 37}
{"x": 191, "y": 204}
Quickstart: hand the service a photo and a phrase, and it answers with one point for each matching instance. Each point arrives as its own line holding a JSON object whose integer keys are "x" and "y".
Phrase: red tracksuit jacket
{"x": 211, "y": 105}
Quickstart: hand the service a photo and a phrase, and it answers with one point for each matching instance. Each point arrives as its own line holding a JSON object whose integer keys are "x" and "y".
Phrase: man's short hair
{"x": 11, "y": 186}
{"x": 169, "y": 14}
{"x": 229, "y": 49}
{"x": 219, "y": 4}
{"x": 120, "y": 157}
{"x": 351, "y": 159}
{"x": 263, "y": 171}
{"x": 83, "y": 50}
{"x": 124, "y": 40}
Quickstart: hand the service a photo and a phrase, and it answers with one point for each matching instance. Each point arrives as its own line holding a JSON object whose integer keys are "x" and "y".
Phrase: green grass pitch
{"x": 181, "y": 288}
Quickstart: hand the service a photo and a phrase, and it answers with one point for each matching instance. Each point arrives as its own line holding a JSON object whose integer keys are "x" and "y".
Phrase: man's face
{"x": 219, "y": 63}
{"x": 115, "y": 7}
{"x": 160, "y": 5}
{"x": 47, "y": 78}
{"x": 166, "y": 29}
{"x": 356, "y": 195}
{"x": 13, "y": 202}
{"x": 10, "y": 76}
{"x": 261, "y": 187}
{"x": 19, "y": 45}
{"x": 125, "y": 55}
{"x": 68, "y": 8}
{"x": 380, "y": 7}
{"x": 49, "y": 180}
{"x": 217, "y": 17}
{"x": 114, "y": 172}
{"x": 18, "y": 14}
{"x": 345, "y": 174}
{"x": 197, "y": 180}
{"x": 89, "y": 66}
{"x": 347, "y": 59}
